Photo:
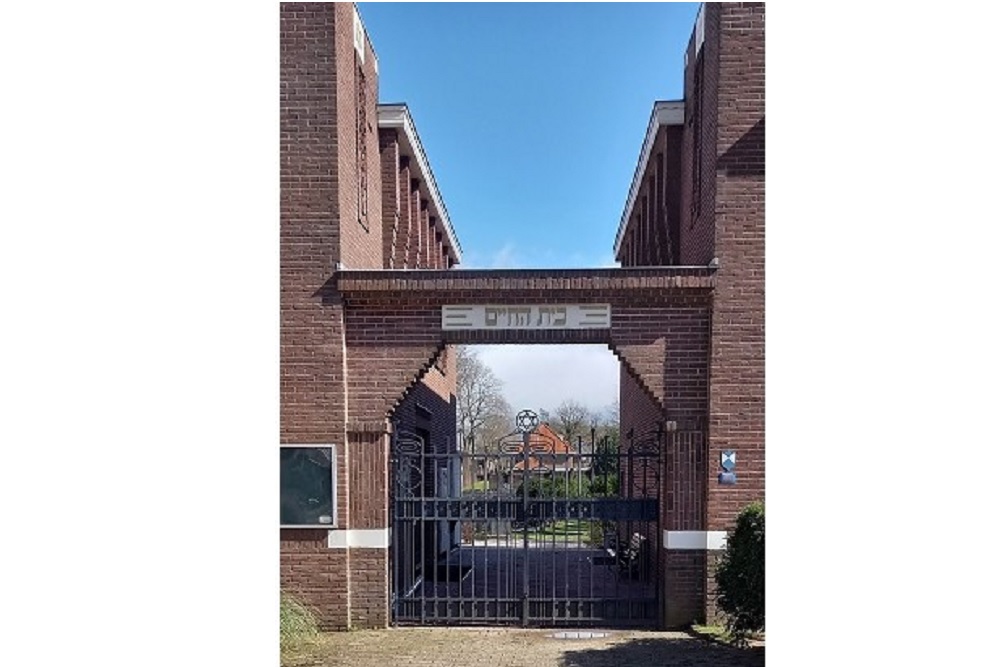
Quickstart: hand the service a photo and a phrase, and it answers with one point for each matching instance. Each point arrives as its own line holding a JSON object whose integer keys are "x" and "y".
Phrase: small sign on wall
{"x": 727, "y": 459}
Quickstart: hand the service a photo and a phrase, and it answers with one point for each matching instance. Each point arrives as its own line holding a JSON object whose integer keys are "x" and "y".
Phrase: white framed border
{"x": 333, "y": 476}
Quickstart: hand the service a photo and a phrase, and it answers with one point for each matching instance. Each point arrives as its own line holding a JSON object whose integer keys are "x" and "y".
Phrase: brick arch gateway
{"x": 370, "y": 272}
{"x": 394, "y": 333}
{"x": 659, "y": 327}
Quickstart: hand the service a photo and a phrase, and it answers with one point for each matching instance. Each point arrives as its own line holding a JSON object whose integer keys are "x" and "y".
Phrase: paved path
{"x": 495, "y": 647}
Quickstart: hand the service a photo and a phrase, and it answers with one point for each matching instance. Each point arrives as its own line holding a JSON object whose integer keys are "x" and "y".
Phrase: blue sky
{"x": 532, "y": 114}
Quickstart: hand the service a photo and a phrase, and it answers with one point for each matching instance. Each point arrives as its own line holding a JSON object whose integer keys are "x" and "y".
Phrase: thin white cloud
{"x": 543, "y": 376}
{"x": 606, "y": 261}
{"x": 505, "y": 257}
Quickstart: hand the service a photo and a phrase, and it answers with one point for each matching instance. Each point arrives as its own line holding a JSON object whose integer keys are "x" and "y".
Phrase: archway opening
{"x": 533, "y": 508}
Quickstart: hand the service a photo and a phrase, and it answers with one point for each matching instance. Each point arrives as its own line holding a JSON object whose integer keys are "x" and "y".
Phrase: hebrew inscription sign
{"x": 558, "y": 316}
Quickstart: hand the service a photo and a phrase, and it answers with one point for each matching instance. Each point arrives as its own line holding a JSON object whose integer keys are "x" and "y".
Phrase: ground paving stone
{"x": 501, "y": 647}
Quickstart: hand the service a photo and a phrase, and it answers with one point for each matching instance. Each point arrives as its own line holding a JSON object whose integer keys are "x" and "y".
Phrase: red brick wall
{"x": 436, "y": 412}
{"x": 701, "y": 104}
{"x": 665, "y": 339}
{"x": 361, "y": 235}
{"x": 393, "y": 335}
{"x": 312, "y": 392}
{"x": 319, "y": 227}
{"x": 367, "y": 468}
{"x": 683, "y": 508}
{"x": 652, "y": 234}
{"x": 670, "y": 214}
{"x": 684, "y": 575}
{"x": 639, "y": 412}
{"x": 682, "y": 501}
{"x": 309, "y": 193}
{"x": 315, "y": 574}
{"x": 720, "y": 215}
{"x": 401, "y": 250}
{"x": 369, "y": 570}
{"x": 391, "y": 201}
{"x": 441, "y": 378}
{"x": 413, "y": 235}
{"x": 418, "y": 208}
{"x": 737, "y": 394}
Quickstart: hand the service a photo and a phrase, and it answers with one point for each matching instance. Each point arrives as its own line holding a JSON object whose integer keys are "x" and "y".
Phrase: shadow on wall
{"x": 686, "y": 651}
{"x": 746, "y": 156}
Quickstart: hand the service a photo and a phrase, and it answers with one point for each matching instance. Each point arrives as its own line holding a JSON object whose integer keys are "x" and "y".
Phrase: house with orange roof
{"x": 549, "y": 453}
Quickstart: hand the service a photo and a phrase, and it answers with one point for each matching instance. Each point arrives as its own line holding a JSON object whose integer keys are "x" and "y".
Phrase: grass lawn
{"x": 570, "y": 530}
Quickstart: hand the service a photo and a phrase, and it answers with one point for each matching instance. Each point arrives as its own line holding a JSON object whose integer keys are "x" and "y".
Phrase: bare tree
{"x": 612, "y": 413}
{"x": 609, "y": 418}
{"x": 573, "y": 420}
{"x": 482, "y": 411}
{"x": 608, "y": 422}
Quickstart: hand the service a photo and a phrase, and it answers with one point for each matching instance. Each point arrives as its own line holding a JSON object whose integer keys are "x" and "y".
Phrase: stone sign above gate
{"x": 556, "y": 316}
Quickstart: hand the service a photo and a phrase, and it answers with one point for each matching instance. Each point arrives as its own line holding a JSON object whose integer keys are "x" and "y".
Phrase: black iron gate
{"x": 529, "y": 530}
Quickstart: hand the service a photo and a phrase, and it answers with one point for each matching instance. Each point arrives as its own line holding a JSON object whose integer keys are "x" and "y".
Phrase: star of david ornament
{"x": 527, "y": 421}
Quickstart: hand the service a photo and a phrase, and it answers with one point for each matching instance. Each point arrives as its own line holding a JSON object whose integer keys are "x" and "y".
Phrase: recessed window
{"x": 361, "y": 155}
{"x": 308, "y": 486}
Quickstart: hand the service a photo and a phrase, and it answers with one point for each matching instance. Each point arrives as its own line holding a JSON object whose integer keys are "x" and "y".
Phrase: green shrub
{"x": 604, "y": 485}
{"x": 740, "y": 574}
{"x": 298, "y": 624}
{"x": 557, "y": 486}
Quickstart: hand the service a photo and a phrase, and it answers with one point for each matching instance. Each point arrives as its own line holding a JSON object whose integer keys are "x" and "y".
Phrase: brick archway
{"x": 660, "y": 328}
{"x": 392, "y": 323}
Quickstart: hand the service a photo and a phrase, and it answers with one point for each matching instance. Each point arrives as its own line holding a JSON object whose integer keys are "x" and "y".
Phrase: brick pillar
{"x": 665, "y": 355}
{"x": 426, "y": 235}
{"x": 368, "y": 549}
{"x": 430, "y": 251}
{"x": 413, "y": 245}
{"x": 401, "y": 248}
{"x": 737, "y": 363}
{"x": 389, "y": 162}
{"x": 312, "y": 393}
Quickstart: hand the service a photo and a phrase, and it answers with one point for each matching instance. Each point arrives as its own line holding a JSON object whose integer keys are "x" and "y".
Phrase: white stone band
{"x": 711, "y": 540}
{"x": 363, "y": 538}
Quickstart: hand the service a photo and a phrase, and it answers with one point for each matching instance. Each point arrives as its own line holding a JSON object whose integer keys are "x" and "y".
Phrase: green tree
{"x": 740, "y": 574}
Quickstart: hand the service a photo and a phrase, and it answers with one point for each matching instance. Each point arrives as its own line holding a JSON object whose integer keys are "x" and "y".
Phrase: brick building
{"x": 356, "y": 192}
{"x": 368, "y": 271}
{"x": 697, "y": 198}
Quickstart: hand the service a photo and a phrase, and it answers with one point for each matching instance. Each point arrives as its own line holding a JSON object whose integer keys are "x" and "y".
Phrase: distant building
{"x": 550, "y": 455}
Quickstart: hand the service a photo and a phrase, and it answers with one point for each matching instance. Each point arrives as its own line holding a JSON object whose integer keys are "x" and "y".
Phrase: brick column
{"x": 311, "y": 317}
{"x": 426, "y": 235}
{"x": 368, "y": 534}
{"x": 737, "y": 398}
{"x": 413, "y": 243}
{"x": 389, "y": 161}
{"x": 400, "y": 250}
